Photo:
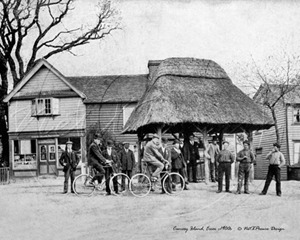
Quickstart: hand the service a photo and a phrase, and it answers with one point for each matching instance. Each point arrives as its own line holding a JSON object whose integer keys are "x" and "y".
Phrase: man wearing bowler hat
{"x": 69, "y": 160}
{"x": 276, "y": 160}
{"x": 213, "y": 151}
{"x": 96, "y": 159}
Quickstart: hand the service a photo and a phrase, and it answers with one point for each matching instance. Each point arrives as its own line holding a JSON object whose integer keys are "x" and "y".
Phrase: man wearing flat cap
{"x": 96, "y": 159}
{"x": 69, "y": 160}
{"x": 225, "y": 159}
{"x": 153, "y": 157}
{"x": 127, "y": 160}
{"x": 167, "y": 155}
{"x": 276, "y": 160}
{"x": 245, "y": 158}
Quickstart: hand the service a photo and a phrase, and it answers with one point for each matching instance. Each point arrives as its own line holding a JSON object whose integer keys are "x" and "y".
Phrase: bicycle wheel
{"x": 140, "y": 185}
{"x": 173, "y": 183}
{"x": 82, "y": 185}
{"x": 115, "y": 184}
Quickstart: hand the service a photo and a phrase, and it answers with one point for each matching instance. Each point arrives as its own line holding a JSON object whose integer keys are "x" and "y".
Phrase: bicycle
{"x": 84, "y": 186}
{"x": 140, "y": 184}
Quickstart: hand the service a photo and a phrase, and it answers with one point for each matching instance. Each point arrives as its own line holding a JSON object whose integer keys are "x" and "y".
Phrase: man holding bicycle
{"x": 153, "y": 157}
{"x": 96, "y": 159}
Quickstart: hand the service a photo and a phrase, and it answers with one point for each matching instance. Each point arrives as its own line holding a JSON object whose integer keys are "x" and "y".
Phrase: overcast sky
{"x": 227, "y": 32}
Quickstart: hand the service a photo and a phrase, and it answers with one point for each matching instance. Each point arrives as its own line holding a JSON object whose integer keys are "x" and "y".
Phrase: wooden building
{"x": 45, "y": 111}
{"x": 288, "y": 118}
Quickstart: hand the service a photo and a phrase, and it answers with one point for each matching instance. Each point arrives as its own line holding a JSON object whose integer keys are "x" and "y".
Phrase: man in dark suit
{"x": 192, "y": 155}
{"x": 167, "y": 155}
{"x": 96, "y": 159}
{"x": 69, "y": 160}
{"x": 111, "y": 154}
{"x": 127, "y": 162}
{"x": 177, "y": 160}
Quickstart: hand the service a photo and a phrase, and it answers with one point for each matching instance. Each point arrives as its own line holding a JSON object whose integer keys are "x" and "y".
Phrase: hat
{"x": 69, "y": 142}
{"x": 246, "y": 142}
{"x": 109, "y": 143}
{"x": 214, "y": 138}
{"x": 225, "y": 142}
{"x": 155, "y": 136}
{"x": 125, "y": 143}
{"x": 192, "y": 135}
{"x": 164, "y": 140}
{"x": 97, "y": 136}
{"x": 176, "y": 141}
{"x": 276, "y": 145}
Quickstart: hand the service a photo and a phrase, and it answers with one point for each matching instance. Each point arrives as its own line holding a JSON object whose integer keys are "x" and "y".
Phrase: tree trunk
{"x": 4, "y": 111}
{"x": 276, "y": 125}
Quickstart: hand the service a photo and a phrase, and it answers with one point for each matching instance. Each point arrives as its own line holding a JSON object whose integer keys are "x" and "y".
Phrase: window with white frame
{"x": 45, "y": 106}
{"x": 296, "y": 152}
{"x": 127, "y": 110}
{"x": 297, "y": 115}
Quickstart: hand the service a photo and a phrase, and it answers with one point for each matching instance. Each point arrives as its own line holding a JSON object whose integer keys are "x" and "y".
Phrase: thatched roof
{"x": 192, "y": 93}
{"x": 111, "y": 88}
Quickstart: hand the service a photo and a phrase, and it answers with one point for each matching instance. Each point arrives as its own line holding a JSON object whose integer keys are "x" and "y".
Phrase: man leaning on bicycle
{"x": 96, "y": 159}
{"x": 153, "y": 157}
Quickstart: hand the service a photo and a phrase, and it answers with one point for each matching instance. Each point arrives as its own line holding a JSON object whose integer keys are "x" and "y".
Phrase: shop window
{"x": 297, "y": 115}
{"x": 296, "y": 152}
{"x": 45, "y": 106}
{"x": 127, "y": 110}
{"x": 24, "y": 154}
{"x": 258, "y": 151}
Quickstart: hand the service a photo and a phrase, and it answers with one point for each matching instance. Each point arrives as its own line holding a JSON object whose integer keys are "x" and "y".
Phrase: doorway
{"x": 47, "y": 158}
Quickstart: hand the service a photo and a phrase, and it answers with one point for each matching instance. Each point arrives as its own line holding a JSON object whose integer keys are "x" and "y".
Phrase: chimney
{"x": 152, "y": 66}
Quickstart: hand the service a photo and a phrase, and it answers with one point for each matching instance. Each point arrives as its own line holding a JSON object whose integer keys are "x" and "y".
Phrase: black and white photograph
{"x": 149, "y": 120}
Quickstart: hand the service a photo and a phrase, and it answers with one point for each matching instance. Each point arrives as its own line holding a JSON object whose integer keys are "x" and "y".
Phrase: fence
{"x": 4, "y": 175}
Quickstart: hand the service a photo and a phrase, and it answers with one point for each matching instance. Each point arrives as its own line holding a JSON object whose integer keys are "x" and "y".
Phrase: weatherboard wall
{"x": 263, "y": 143}
{"x": 110, "y": 118}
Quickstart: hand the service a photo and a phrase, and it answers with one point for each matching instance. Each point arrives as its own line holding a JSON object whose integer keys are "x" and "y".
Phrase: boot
{"x": 246, "y": 187}
{"x": 239, "y": 188}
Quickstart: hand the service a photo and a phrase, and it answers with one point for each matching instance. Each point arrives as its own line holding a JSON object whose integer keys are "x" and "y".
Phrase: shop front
{"x": 38, "y": 155}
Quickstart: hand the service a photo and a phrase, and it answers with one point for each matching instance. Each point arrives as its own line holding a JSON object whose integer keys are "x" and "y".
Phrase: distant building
{"x": 288, "y": 117}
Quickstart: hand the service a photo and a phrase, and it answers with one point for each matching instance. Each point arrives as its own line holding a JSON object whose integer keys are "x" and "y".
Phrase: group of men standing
{"x": 104, "y": 161}
{"x": 181, "y": 157}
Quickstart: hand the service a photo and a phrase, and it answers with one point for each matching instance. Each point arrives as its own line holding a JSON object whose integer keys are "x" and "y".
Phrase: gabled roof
{"x": 189, "y": 92}
{"x": 293, "y": 97}
{"x": 111, "y": 88}
{"x": 40, "y": 63}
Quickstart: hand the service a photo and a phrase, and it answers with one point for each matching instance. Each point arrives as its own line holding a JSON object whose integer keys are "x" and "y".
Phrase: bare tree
{"x": 278, "y": 79}
{"x": 43, "y": 27}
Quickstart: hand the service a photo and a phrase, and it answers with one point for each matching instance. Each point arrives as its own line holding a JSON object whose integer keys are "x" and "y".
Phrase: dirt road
{"x": 36, "y": 209}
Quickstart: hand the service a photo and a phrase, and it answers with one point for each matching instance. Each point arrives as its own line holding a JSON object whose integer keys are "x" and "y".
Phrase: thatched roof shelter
{"x": 192, "y": 94}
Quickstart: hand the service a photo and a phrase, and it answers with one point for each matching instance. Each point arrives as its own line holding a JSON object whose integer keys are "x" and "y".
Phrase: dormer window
{"x": 45, "y": 107}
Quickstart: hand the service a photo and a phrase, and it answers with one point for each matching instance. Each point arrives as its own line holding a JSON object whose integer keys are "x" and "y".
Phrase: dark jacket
{"x": 116, "y": 165}
{"x": 191, "y": 152}
{"x": 95, "y": 155}
{"x": 225, "y": 156}
{"x": 70, "y": 159}
{"x": 127, "y": 159}
{"x": 177, "y": 159}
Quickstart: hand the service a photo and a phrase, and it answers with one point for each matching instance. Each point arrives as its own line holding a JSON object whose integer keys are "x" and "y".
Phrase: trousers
{"x": 274, "y": 170}
{"x": 244, "y": 173}
{"x": 70, "y": 173}
{"x": 224, "y": 167}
